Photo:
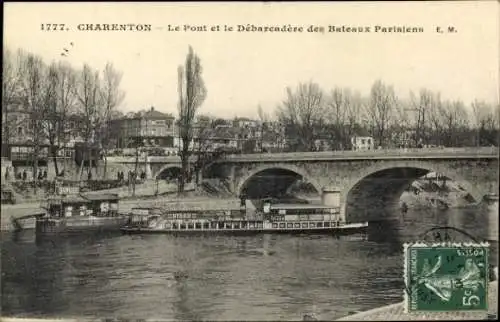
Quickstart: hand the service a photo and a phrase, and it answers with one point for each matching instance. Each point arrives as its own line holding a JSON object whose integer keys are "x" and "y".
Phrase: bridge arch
{"x": 383, "y": 183}
{"x": 302, "y": 173}
{"x": 168, "y": 171}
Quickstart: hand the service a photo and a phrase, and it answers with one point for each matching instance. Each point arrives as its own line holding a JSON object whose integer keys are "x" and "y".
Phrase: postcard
{"x": 257, "y": 161}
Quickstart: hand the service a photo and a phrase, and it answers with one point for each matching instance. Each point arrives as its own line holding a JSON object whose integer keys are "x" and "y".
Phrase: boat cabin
{"x": 99, "y": 205}
{"x": 300, "y": 212}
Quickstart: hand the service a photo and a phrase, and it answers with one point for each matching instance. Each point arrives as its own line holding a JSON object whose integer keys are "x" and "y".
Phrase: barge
{"x": 272, "y": 218}
{"x": 67, "y": 214}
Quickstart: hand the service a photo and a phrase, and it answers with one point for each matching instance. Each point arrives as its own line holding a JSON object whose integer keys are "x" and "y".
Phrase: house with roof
{"x": 146, "y": 128}
{"x": 242, "y": 122}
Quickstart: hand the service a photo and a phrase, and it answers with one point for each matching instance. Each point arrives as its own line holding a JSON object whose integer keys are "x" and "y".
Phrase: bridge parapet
{"x": 428, "y": 153}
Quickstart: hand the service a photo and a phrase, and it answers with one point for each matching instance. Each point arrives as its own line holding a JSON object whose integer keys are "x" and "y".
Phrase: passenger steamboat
{"x": 271, "y": 218}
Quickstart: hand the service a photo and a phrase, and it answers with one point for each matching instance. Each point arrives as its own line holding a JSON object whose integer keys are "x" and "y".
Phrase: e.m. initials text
{"x": 53, "y": 27}
{"x": 449, "y": 29}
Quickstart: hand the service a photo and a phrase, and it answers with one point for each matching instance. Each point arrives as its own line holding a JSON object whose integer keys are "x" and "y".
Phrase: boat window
{"x": 333, "y": 224}
{"x": 237, "y": 226}
{"x": 312, "y": 225}
{"x": 183, "y": 226}
{"x": 275, "y": 225}
{"x": 251, "y": 225}
{"x": 297, "y": 225}
{"x": 174, "y": 226}
{"x": 198, "y": 225}
{"x": 304, "y": 225}
{"x": 213, "y": 225}
{"x": 319, "y": 225}
{"x": 244, "y": 225}
{"x": 327, "y": 224}
{"x": 289, "y": 225}
{"x": 259, "y": 225}
{"x": 228, "y": 225}
{"x": 282, "y": 225}
{"x": 190, "y": 226}
{"x": 206, "y": 225}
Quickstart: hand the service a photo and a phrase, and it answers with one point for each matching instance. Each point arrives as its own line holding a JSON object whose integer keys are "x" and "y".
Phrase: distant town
{"x": 53, "y": 113}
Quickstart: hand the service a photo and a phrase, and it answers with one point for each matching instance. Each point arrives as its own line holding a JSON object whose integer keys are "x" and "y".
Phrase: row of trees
{"x": 310, "y": 113}
{"x": 50, "y": 96}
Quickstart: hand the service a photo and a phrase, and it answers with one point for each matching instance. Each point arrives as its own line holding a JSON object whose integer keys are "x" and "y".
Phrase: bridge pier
{"x": 232, "y": 179}
{"x": 492, "y": 206}
{"x": 331, "y": 196}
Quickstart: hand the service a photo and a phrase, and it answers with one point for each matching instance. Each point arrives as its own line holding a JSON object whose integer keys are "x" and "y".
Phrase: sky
{"x": 243, "y": 70}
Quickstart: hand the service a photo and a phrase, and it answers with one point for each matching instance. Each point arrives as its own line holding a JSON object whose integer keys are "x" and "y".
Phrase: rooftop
{"x": 149, "y": 114}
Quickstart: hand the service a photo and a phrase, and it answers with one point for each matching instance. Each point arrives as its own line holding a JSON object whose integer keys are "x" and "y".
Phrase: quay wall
{"x": 395, "y": 312}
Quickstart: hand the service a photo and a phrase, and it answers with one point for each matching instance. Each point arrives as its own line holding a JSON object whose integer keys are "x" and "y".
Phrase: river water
{"x": 266, "y": 277}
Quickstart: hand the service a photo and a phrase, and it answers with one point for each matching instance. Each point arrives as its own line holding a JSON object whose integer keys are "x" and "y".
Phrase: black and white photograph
{"x": 253, "y": 161}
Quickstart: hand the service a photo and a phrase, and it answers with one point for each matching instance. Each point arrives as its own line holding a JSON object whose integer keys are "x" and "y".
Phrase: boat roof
{"x": 101, "y": 196}
{"x": 299, "y": 206}
{"x": 82, "y": 198}
{"x": 68, "y": 199}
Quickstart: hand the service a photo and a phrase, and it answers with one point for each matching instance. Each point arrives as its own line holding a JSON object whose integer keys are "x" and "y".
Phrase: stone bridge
{"x": 367, "y": 180}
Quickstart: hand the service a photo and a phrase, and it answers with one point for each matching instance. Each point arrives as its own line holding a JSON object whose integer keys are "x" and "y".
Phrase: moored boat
{"x": 67, "y": 214}
{"x": 277, "y": 218}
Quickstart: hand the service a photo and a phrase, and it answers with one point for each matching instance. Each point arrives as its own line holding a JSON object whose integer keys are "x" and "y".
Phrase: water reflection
{"x": 265, "y": 277}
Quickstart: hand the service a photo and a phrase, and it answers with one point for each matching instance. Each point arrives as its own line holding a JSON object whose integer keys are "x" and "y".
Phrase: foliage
{"x": 57, "y": 102}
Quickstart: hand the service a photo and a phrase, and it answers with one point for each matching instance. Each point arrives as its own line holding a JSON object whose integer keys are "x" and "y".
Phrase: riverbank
{"x": 188, "y": 202}
{"x": 395, "y": 312}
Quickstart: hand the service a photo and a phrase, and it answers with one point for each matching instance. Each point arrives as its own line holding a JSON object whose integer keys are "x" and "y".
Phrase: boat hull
{"x": 75, "y": 225}
{"x": 341, "y": 230}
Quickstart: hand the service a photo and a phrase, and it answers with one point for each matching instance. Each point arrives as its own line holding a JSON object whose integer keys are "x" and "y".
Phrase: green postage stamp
{"x": 446, "y": 277}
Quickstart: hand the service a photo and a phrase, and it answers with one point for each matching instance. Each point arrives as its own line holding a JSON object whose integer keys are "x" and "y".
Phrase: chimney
{"x": 152, "y": 108}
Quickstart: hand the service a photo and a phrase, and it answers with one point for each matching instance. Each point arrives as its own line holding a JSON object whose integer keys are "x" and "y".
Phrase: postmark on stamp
{"x": 446, "y": 277}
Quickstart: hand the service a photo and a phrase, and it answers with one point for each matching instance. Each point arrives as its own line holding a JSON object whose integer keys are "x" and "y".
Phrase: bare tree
{"x": 437, "y": 121}
{"x": 485, "y": 123}
{"x": 112, "y": 97}
{"x": 263, "y": 126}
{"x": 11, "y": 94}
{"x": 32, "y": 73}
{"x": 303, "y": 112}
{"x": 60, "y": 104}
{"x": 202, "y": 146}
{"x": 90, "y": 109}
{"x": 353, "y": 115}
{"x": 454, "y": 120}
{"x": 192, "y": 93}
{"x": 338, "y": 106}
{"x": 380, "y": 110}
{"x": 422, "y": 108}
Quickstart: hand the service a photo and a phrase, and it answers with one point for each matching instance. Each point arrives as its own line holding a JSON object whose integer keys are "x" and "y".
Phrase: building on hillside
{"x": 362, "y": 143}
{"x": 16, "y": 124}
{"x": 223, "y": 137}
{"x": 322, "y": 144}
{"x": 403, "y": 139}
{"x": 18, "y": 144}
{"x": 271, "y": 142}
{"x": 145, "y": 128}
{"x": 242, "y": 122}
